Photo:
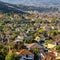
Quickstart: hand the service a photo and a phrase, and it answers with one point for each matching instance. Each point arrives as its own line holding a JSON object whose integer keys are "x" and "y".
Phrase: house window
{"x": 27, "y": 56}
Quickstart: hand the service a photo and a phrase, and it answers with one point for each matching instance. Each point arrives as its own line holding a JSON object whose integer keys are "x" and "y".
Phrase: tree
{"x": 58, "y": 47}
{"x": 36, "y": 53}
{"x": 10, "y": 56}
{"x": 55, "y": 32}
{"x": 48, "y": 41}
{"x": 3, "y": 52}
{"x": 41, "y": 30}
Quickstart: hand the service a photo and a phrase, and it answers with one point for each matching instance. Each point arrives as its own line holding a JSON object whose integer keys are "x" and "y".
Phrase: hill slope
{"x": 33, "y": 2}
{"x": 5, "y": 7}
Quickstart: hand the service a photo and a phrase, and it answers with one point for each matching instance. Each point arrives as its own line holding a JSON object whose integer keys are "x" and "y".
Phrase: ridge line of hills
{"x": 6, "y": 7}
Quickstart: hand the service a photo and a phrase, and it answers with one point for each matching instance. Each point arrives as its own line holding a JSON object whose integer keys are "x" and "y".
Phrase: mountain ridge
{"x": 7, "y": 7}
{"x": 33, "y": 2}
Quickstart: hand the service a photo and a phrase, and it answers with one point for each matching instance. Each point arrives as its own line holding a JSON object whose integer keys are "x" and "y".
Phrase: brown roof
{"x": 24, "y": 52}
{"x": 54, "y": 50}
{"x": 1, "y": 15}
{"x": 34, "y": 45}
{"x": 58, "y": 51}
{"x": 57, "y": 37}
{"x": 16, "y": 15}
{"x": 57, "y": 59}
{"x": 50, "y": 56}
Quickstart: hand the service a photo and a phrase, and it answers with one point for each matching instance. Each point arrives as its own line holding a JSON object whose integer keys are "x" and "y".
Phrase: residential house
{"x": 19, "y": 38}
{"x": 16, "y": 16}
{"x": 50, "y": 46}
{"x": 18, "y": 28}
{"x": 57, "y": 37}
{"x": 40, "y": 39}
{"x": 28, "y": 36}
{"x": 37, "y": 38}
{"x": 1, "y": 15}
{"x": 57, "y": 54}
{"x": 33, "y": 45}
{"x": 25, "y": 55}
{"x": 47, "y": 56}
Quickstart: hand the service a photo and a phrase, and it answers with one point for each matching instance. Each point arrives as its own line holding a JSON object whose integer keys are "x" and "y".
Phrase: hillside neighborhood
{"x": 31, "y": 35}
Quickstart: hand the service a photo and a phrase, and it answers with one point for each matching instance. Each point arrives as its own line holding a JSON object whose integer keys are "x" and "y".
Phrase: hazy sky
{"x": 17, "y": 1}
{"x": 30, "y": 1}
{"x": 14, "y": 1}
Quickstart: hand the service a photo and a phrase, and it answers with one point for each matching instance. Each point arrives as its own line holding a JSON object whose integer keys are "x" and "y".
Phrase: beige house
{"x": 37, "y": 38}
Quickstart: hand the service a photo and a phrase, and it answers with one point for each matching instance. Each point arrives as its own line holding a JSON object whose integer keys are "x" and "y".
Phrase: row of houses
{"x": 46, "y": 53}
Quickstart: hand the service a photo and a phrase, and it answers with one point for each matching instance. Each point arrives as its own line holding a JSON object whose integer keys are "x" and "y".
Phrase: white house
{"x": 19, "y": 38}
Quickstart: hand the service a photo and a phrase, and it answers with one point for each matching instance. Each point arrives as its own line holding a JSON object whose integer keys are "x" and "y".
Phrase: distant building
{"x": 16, "y": 16}
{"x": 19, "y": 38}
{"x": 1, "y": 15}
